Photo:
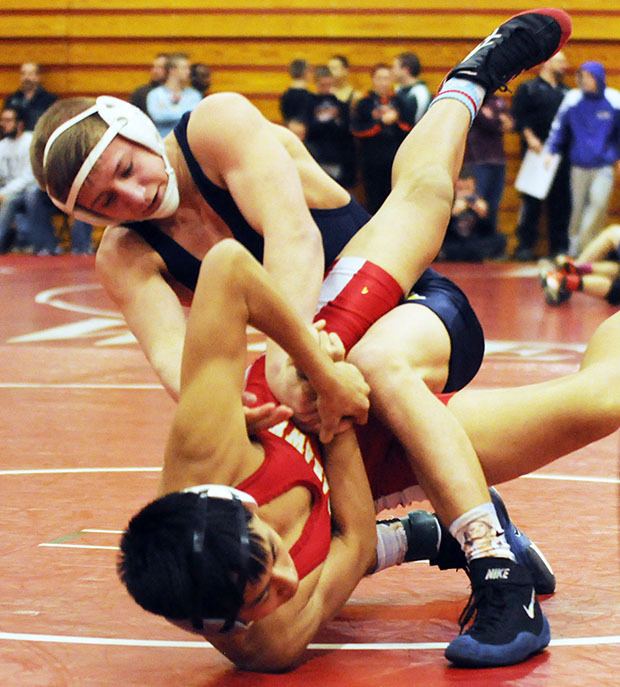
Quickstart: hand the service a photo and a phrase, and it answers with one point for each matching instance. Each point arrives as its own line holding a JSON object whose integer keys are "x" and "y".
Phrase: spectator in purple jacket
{"x": 587, "y": 129}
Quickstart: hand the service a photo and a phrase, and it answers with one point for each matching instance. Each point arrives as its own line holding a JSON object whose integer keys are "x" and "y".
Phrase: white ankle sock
{"x": 470, "y": 93}
{"x": 480, "y": 535}
{"x": 391, "y": 545}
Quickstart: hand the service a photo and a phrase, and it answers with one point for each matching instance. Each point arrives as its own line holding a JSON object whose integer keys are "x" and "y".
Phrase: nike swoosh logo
{"x": 529, "y": 609}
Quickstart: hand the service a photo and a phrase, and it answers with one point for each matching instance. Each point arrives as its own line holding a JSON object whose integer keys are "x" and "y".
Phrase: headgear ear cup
{"x": 131, "y": 123}
{"x": 207, "y": 492}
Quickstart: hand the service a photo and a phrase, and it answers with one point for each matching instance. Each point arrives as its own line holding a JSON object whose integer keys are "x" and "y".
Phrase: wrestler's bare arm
{"x": 208, "y": 441}
{"x": 131, "y": 273}
{"x": 237, "y": 149}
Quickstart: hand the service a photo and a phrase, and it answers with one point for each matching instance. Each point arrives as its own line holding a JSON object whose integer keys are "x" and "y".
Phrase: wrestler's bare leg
{"x": 515, "y": 431}
{"x": 406, "y": 233}
{"x": 403, "y": 238}
{"x": 596, "y": 285}
{"x": 598, "y": 249}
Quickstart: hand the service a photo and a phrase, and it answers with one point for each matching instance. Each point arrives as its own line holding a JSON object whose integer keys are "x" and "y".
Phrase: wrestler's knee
{"x": 386, "y": 365}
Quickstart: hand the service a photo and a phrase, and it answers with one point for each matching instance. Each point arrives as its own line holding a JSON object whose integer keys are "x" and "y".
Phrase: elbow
{"x": 279, "y": 657}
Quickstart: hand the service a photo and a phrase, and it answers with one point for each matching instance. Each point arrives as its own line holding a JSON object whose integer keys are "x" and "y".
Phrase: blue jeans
{"x": 81, "y": 238}
{"x": 490, "y": 180}
{"x": 9, "y": 209}
{"x": 39, "y": 212}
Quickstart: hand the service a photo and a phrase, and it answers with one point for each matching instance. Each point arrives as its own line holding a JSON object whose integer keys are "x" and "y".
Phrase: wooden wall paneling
{"x": 93, "y": 46}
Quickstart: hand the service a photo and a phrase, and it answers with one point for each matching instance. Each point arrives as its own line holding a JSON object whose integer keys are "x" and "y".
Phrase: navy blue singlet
{"x": 337, "y": 226}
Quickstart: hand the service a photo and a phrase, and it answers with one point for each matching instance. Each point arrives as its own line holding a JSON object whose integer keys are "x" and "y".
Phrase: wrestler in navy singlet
{"x": 337, "y": 226}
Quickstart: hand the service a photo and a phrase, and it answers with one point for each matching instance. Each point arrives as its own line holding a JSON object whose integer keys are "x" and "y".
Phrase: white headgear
{"x": 223, "y": 491}
{"x": 131, "y": 123}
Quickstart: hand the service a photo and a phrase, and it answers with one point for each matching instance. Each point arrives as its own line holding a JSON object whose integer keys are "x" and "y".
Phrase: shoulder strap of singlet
{"x": 218, "y": 198}
{"x": 181, "y": 264}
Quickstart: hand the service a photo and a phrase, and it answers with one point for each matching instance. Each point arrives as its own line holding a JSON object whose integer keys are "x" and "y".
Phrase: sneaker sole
{"x": 561, "y": 18}
{"x": 467, "y": 652}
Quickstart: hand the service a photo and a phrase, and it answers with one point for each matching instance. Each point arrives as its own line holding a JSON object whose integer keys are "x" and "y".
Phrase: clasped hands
{"x": 342, "y": 402}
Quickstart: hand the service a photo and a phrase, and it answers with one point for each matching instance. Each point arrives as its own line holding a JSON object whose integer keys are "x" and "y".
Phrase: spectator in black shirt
{"x": 31, "y": 99}
{"x": 413, "y": 95}
{"x": 534, "y": 106}
{"x": 159, "y": 71}
{"x": 328, "y": 129}
{"x": 200, "y": 77}
{"x": 377, "y": 123}
{"x": 469, "y": 236}
{"x": 297, "y": 102}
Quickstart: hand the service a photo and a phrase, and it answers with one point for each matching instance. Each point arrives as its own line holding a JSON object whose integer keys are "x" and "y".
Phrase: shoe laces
{"x": 512, "y": 51}
{"x": 485, "y": 609}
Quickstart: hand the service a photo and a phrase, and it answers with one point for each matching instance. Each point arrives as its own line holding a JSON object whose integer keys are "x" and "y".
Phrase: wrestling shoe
{"x": 520, "y": 43}
{"x": 507, "y": 625}
{"x": 524, "y": 549}
{"x": 421, "y": 528}
{"x": 555, "y": 288}
{"x": 565, "y": 264}
{"x": 545, "y": 266}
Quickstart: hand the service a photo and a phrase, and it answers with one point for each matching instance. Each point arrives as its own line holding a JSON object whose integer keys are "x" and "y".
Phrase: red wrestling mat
{"x": 83, "y": 426}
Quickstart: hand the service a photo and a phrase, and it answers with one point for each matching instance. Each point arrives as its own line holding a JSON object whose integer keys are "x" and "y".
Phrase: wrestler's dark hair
{"x": 411, "y": 62}
{"x": 157, "y": 563}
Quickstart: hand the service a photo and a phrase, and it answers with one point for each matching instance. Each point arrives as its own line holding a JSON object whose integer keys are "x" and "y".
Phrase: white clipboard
{"x": 534, "y": 178}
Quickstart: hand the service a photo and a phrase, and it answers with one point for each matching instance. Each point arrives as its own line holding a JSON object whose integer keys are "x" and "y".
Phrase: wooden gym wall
{"x": 89, "y": 47}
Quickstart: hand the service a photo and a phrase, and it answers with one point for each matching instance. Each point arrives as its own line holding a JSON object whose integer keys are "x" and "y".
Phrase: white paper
{"x": 535, "y": 177}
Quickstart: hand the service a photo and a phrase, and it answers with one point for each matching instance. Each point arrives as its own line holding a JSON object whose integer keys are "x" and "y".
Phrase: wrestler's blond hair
{"x": 68, "y": 153}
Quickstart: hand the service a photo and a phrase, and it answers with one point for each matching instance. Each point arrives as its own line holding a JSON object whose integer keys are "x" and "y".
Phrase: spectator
{"x": 297, "y": 102}
{"x": 167, "y": 103}
{"x": 595, "y": 272}
{"x": 534, "y": 106}
{"x": 15, "y": 176}
{"x": 200, "y": 77}
{"x": 484, "y": 152}
{"x": 158, "y": 76}
{"x": 344, "y": 90}
{"x": 469, "y": 236}
{"x": 328, "y": 129}
{"x": 412, "y": 95}
{"x": 376, "y": 122}
{"x": 588, "y": 125}
{"x": 31, "y": 99}
{"x": 35, "y": 223}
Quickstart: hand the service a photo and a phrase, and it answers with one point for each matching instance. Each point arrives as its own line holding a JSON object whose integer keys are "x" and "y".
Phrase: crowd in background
{"x": 354, "y": 137}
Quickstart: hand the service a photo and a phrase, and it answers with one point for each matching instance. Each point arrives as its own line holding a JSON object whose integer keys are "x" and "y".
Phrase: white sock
{"x": 469, "y": 93}
{"x": 391, "y": 545}
{"x": 480, "y": 535}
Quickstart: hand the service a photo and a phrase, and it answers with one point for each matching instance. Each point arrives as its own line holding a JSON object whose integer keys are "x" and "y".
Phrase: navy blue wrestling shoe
{"x": 507, "y": 623}
{"x": 520, "y": 43}
{"x": 524, "y": 549}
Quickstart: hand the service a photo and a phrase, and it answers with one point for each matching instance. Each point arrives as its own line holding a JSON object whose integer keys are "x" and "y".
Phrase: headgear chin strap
{"x": 206, "y": 492}
{"x": 131, "y": 123}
